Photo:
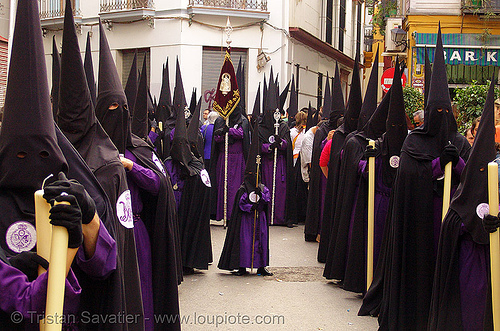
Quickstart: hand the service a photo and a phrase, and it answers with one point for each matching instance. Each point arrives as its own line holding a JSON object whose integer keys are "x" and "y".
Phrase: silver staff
{"x": 256, "y": 214}
{"x": 277, "y": 117}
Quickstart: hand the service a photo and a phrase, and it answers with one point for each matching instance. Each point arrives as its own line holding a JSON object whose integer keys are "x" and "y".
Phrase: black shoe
{"x": 263, "y": 272}
{"x": 187, "y": 270}
{"x": 240, "y": 272}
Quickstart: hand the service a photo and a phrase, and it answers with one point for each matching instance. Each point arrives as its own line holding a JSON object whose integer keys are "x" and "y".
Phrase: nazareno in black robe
{"x": 160, "y": 217}
{"x": 313, "y": 213}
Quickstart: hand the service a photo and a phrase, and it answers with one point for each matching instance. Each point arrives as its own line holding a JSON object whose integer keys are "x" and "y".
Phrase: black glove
{"x": 491, "y": 223}
{"x": 370, "y": 151}
{"x": 72, "y": 187}
{"x": 154, "y": 125}
{"x": 70, "y": 217}
{"x": 449, "y": 154}
{"x": 277, "y": 142}
{"x": 28, "y": 263}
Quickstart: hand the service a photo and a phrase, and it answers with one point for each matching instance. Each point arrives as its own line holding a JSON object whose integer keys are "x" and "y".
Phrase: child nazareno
{"x": 247, "y": 238}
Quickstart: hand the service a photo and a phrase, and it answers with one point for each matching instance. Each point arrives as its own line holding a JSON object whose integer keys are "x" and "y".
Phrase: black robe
{"x": 160, "y": 217}
{"x": 314, "y": 212}
{"x": 331, "y": 191}
{"x": 352, "y": 153}
{"x": 230, "y": 256}
{"x": 194, "y": 219}
{"x": 407, "y": 285}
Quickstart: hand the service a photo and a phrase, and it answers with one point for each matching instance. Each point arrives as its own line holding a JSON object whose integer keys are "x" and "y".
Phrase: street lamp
{"x": 398, "y": 36}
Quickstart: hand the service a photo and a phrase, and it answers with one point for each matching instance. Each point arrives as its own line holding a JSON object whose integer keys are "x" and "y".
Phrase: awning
{"x": 461, "y": 48}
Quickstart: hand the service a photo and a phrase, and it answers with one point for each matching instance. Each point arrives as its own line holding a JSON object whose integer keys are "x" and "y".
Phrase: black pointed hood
{"x": 56, "y": 77}
{"x": 439, "y": 127}
{"x": 473, "y": 188}
{"x": 132, "y": 84}
{"x": 396, "y": 130}
{"x": 376, "y": 125}
{"x": 264, "y": 89}
{"x": 179, "y": 101}
{"x": 142, "y": 102}
{"x": 270, "y": 106}
{"x": 115, "y": 121}
{"x": 338, "y": 106}
{"x": 316, "y": 117}
{"x": 240, "y": 78}
{"x": 310, "y": 118}
{"x": 164, "y": 109}
{"x": 256, "y": 108}
{"x": 28, "y": 153}
{"x": 327, "y": 99}
{"x": 427, "y": 76}
{"x": 250, "y": 178}
{"x": 283, "y": 96}
{"x": 354, "y": 102}
{"x": 180, "y": 150}
{"x": 193, "y": 131}
{"x": 293, "y": 106}
{"x": 76, "y": 113}
{"x": 193, "y": 103}
{"x": 89, "y": 70}
{"x": 370, "y": 100}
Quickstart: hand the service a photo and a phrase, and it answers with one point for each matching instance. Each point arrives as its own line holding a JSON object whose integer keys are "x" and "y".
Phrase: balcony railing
{"x": 55, "y": 9}
{"x": 481, "y": 6}
{"x": 232, "y": 4}
{"x": 116, "y": 5}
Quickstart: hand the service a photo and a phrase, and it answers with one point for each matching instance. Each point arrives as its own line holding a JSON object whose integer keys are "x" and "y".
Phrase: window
{"x": 342, "y": 25}
{"x": 128, "y": 58}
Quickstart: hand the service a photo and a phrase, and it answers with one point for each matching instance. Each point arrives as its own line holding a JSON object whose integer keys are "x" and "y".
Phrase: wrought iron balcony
{"x": 483, "y": 7}
{"x": 125, "y": 10}
{"x": 260, "y": 5}
{"x": 116, "y": 5}
{"x": 53, "y": 9}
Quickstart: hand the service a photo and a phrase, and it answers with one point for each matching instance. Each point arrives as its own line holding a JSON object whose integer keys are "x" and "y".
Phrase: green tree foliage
{"x": 414, "y": 100}
{"x": 470, "y": 102}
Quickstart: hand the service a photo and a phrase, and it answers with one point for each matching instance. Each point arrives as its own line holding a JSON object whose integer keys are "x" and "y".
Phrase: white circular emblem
{"x": 271, "y": 139}
{"x": 21, "y": 237}
{"x": 394, "y": 161}
{"x": 482, "y": 209}
{"x": 254, "y": 198}
{"x": 159, "y": 164}
{"x": 205, "y": 178}
{"x": 124, "y": 210}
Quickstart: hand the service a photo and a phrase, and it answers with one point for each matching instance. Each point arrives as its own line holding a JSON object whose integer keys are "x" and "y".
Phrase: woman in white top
{"x": 297, "y": 134}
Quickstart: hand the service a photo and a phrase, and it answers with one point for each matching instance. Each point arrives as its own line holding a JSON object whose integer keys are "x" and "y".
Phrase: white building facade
{"x": 300, "y": 37}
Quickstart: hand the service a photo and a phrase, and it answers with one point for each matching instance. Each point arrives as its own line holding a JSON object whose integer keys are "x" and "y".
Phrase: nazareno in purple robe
{"x": 140, "y": 178}
{"x": 235, "y": 168}
{"x": 261, "y": 249}
{"x": 267, "y": 179}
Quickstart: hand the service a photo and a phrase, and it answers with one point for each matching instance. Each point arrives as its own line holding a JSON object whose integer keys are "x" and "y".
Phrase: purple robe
{"x": 140, "y": 178}
{"x": 267, "y": 180}
{"x": 261, "y": 250}
{"x": 235, "y": 169}
{"x": 174, "y": 172}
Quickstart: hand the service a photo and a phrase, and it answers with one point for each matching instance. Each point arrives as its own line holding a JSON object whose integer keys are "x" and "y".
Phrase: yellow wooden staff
{"x": 447, "y": 189}
{"x": 56, "y": 252}
{"x": 371, "y": 218}
{"x": 494, "y": 245}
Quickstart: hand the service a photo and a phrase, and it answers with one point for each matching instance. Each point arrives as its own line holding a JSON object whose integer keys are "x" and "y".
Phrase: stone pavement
{"x": 297, "y": 297}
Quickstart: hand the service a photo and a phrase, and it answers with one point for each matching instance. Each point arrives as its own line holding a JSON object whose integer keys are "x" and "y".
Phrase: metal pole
{"x": 225, "y": 173}
{"x": 256, "y": 214}
{"x": 277, "y": 117}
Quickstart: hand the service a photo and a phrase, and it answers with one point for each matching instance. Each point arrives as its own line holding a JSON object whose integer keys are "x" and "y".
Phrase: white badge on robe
{"x": 159, "y": 164}
{"x": 124, "y": 209}
{"x": 482, "y": 210}
{"x": 254, "y": 198}
{"x": 205, "y": 178}
{"x": 21, "y": 237}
